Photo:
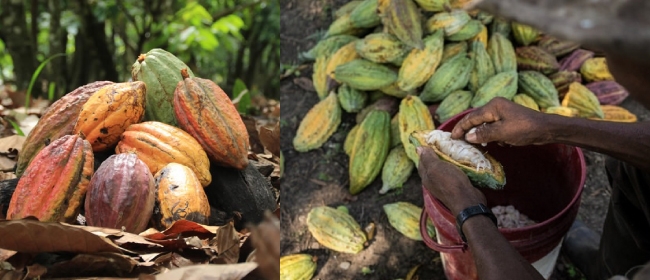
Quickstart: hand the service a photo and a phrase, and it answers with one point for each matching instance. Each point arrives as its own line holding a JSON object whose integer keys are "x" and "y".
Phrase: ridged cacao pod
{"x": 108, "y": 112}
{"x": 206, "y": 112}
{"x": 453, "y": 104}
{"x": 246, "y": 192}
{"x": 319, "y": 124}
{"x": 413, "y": 115}
{"x": 158, "y": 144}
{"x": 562, "y": 111}
{"x": 557, "y": 47}
{"x": 480, "y": 167}
{"x": 502, "y": 53}
{"x": 55, "y": 182}
{"x": 369, "y": 150}
{"x": 449, "y": 22}
{"x": 500, "y": 85}
{"x": 349, "y": 140}
{"x": 483, "y": 67}
{"x": 342, "y": 26}
{"x": 395, "y": 137}
{"x": 453, "y": 75}
{"x": 615, "y": 113}
{"x": 297, "y": 267}
{"x": 500, "y": 25}
{"x": 160, "y": 71}
{"x": 561, "y": 80}
{"x": 394, "y": 90}
{"x": 420, "y": 65}
{"x": 344, "y": 55}
{"x": 405, "y": 218}
{"x": 381, "y": 48}
{"x": 121, "y": 194}
{"x": 524, "y": 34}
{"x": 469, "y": 31}
{"x": 608, "y": 92}
{"x": 365, "y": 15}
{"x": 397, "y": 169}
{"x": 351, "y": 100}
{"x": 432, "y": 5}
{"x": 582, "y": 99}
{"x": 526, "y": 101}
{"x": 57, "y": 121}
{"x": 481, "y": 36}
{"x": 536, "y": 58}
{"x": 179, "y": 195}
{"x": 403, "y": 19}
{"x": 336, "y": 230}
{"x": 347, "y": 8}
{"x": 595, "y": 69}
{"x": 574, "y": 61}
{"x": 451, "y": 50}
{"x": 539, "y": 87}
{"x": 329, "y": 45}
{"x": 364, "y": 75}
{"x": 319, "y": 77}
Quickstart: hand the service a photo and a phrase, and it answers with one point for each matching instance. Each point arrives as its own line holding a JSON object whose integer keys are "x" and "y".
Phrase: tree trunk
{"x": 18, "y": 42}
{"x": 58, "y": 38}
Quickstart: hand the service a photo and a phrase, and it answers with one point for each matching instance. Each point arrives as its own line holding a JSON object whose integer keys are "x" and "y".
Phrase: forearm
{"x": 494, "y": 256}
{"x": 629, "y": 142}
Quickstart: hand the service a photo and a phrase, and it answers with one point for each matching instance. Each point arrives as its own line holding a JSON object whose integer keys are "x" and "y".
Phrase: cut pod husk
{"x": 481, "y": 168}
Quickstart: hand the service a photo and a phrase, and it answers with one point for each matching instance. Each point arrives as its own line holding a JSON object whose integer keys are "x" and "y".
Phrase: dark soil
{"x": 320, "y": 177}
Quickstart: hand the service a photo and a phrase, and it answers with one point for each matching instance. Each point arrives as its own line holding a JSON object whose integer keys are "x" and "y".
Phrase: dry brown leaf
{"x": 271, "y": 139}
{"x": 7, "y": 176}
{"x": 253, "y": 136}
{"x": 266, "y": 240}
{"x": 186, "y": 229}
{"x": 226, "y": 244}
{"x": 304, "y": 83}
{"x": 93, "y": 265}
{"x": 37, "y": 237}
{"x": 209, "y": 272}
{"x": 35, "y": 270}
{"x": 14, "y": 142}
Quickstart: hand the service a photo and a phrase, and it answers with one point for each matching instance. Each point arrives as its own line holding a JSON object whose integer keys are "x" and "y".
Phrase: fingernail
{"x": 470, "y": 137}
{"x": 419, "y": 150}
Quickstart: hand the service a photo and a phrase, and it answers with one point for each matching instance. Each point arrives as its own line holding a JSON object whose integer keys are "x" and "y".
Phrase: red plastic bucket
{"x": 544, "y": 182}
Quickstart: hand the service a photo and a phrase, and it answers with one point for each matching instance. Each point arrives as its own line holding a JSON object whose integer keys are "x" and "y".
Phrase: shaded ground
{"x": 319, "y": 177}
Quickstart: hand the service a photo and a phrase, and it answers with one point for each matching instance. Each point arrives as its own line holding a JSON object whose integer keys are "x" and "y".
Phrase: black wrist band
{"x": 471, "y": 211}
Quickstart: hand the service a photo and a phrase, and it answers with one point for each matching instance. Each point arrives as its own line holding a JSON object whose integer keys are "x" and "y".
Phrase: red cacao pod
{"x": 206, "y": 112}
{"x": 57, "y": 121}
{"x": 55, "y": 182}
{"x": 121, "y": 194}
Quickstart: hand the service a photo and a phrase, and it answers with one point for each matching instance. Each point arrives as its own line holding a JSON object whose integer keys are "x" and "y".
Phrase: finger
{"x": 485, "y": 114}
{"x": 428, "y": 158}
{"x": 485, "y": 133}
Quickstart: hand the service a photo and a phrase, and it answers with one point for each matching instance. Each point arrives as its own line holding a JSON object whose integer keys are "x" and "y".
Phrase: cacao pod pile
{"x": 105, "y": 141}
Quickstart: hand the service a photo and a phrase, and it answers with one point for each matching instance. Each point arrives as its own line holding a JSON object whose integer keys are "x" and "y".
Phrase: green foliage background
{"x": 223, "y": 40}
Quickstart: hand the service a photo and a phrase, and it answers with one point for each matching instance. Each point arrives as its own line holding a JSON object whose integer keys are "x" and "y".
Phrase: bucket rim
{"x": 583, "y": 172}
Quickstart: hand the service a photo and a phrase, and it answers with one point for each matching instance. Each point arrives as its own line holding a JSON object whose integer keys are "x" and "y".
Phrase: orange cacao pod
{"x": 108, "y": 113}
{"x": 121, "y": 194}
{"x": 57, "y": 121}
{"x": 179, "y": 195}
{"x": 207, "y": 113}
{"x": 158, "y": 144}
{"x": 55, "y": 182}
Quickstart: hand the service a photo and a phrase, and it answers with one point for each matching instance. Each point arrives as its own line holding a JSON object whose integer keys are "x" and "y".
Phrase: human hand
{"x": 506, "y": 122}
{"x": 447, "y": 182}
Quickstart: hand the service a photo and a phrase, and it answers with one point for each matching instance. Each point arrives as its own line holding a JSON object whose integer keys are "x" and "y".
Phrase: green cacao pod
{"x": 381, "y": 48}
{"x": 539, "y": 87}
{"x": 161, "y": 72}
{"x": 319, "y": 124}
{"x": 524, "y": 34}
{"x": 297, "y": 267}
{"x": 500, "y": 25}
{"x": 395, "y": 137}
{"x": 369, "y": 150}
{"x": 449, "y": 22}
{"x": 453, "y": 104}
{"x": 451, "y": 76}
{"x": 403, "y": 19}
{"x": 59, "y": 120}
{"x": 394, "y": 90}
{"x": 470, "y": 30}
{"x": 481, "y": 168}
{"x": 343, "y": 26}
{"x": 365, "y": 15}
{"x": 413, "y": 115}
{"x": 349, "y": 140}
{"x": 347, "y": 8}
{"x": 336, "y": 230}
{"x": 405, "y": 218}
{"x": 483, "y": 67}
{"x": 432, "y": 5}
{"x": 420, "y": 65}
{"x": 526, "y": 101}
{"x": 397, "y": 169}
{"x": 502, "y": 85}
{"x": 364, "y": 75}
{"x": 351, "y": 100}
{"x": 121, "y": 194}
{"x": 208, "y": 114}
{"x": 53, "y": 186}
{"x": 328, "y": 46}
{"x": 451, "y": 50}
{"x": 502, "y": 53}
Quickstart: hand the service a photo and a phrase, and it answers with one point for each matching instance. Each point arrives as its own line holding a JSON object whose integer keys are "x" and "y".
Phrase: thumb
{"x": 483, "y": 133}
{"x": 427, "y": 158}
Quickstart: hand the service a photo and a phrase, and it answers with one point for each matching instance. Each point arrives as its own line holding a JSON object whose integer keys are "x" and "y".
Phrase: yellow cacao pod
{"x": 349, "y": 140}
{"x": 319, "y": 124}
{"x": 420, "y": 65}
{"x": 524, "y": 34}
{"x": 595, "y": 69}
{"x": 397, "y": 169}
{"x": 369, "y": 150}
{"x": 432, "y": 5}
{"x": 561, "y": 110}
{"x": 297, "y": 267}
{"x": 481, "y": 36}
{"x": 405, "y": 218}
{"x": 526, "y": 101}
{"x": 336, "y": 230}
{"x": 319, "y": 77}
{"x": 449, "y": 22}
{"x": 413, "y": 115}
{"x": 582, "y": 99}
{"x": 381, "y": 48}
{"x": 344, "y": 55}
{"x": 615, "y": 113}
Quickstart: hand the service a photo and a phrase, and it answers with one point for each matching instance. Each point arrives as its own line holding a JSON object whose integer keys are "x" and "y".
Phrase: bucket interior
{"x": 541, "y": 181}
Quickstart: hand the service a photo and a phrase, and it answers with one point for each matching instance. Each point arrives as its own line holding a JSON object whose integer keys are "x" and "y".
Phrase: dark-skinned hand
{"x": 447, "y": 182}
{"x": 503, "y": 121}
